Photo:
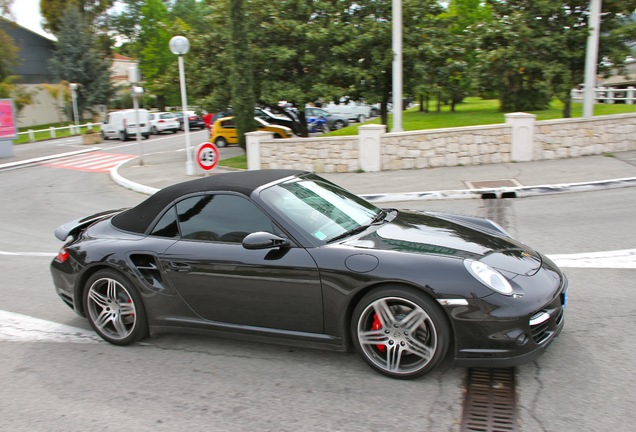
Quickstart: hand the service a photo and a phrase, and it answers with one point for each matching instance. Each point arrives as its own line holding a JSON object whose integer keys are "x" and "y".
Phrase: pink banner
{"x": 7, "y": 120}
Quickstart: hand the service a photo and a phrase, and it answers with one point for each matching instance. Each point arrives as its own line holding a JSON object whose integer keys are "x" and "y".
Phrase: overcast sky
{"x": 27, "y": 14}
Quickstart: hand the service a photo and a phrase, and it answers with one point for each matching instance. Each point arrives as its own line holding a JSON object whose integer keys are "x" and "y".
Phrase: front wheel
{"x": 362, "y": 118}
{"x": 114, "y": 308}
{"x": 338, "y": 124}
{"x": 400, "y": 332}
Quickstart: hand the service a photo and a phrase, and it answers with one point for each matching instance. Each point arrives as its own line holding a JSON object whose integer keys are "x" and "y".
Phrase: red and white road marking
{"x": 91, "y": 162}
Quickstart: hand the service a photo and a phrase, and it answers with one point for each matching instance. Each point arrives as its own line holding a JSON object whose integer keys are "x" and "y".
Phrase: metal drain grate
{"x": 493, "y": 184}
{"x": 491, "y": 403}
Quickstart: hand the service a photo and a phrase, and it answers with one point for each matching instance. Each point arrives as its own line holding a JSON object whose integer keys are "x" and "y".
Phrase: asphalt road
{"x": 63, "y": 378}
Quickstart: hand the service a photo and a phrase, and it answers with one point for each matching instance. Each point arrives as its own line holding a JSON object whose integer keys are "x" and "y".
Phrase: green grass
{"x": 239, "y": 162}
{"x": 42, "y": 132}
{"x": 476, "y": 112}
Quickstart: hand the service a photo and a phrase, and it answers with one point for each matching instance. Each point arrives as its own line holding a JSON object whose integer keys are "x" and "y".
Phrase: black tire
{"x": 220, "y": 142}
{"x": 400, "y": 332}
{"x": 114, "y": 308}
{"x": 154, "y": 131}
{"x": 277, "y": 136}
{"x": 338, "y": 124}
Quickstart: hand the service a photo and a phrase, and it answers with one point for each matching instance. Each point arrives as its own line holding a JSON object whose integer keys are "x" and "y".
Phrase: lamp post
{"x": 179, "y": 45}
{"x": 73, "y": 87}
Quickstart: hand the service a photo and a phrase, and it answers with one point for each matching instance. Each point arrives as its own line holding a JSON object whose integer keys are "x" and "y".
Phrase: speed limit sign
{"x": 207, "y": 156}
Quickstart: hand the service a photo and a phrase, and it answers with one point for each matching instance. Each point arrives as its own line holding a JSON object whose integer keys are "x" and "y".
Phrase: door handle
{"x": 180, "y": 266}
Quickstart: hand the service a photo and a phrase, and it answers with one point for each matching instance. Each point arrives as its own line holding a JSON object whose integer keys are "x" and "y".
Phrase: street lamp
{"x": 179, "y": 45}
{"x": 73, "y": 87}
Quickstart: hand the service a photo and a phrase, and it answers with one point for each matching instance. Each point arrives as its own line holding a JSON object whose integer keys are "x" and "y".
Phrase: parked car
{"x": 195, "y": 121}
{"x": 276, "y": 119}
{"x": 334, "y": 122}
{"x": 223, "y": 131}
{"x": 123, "y": 124}
{"x": 161, "y": 122}
{"x": 287, "y": 256}
{"x": 351, "y": 110}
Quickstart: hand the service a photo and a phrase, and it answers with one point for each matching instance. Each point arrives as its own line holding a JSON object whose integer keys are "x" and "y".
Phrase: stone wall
{"x": 446, "y": 147}
{"x": 558, "y": 139}
{"x": 320, "y": 155}
{"x": 521, "y": 136}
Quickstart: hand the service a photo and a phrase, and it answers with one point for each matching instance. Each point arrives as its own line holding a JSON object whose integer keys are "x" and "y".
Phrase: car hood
{"x": 455, "y": 236}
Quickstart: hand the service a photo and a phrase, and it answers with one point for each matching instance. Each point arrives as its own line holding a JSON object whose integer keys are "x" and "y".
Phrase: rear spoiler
{"x": 70, "y": 228}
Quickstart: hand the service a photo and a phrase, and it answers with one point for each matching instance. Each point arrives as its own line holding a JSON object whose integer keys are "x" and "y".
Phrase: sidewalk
{"x": 522, "y": 178}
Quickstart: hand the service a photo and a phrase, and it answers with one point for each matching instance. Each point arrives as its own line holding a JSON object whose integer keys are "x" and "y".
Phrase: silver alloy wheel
{"x": 111, "y": 308}
{"x": 397, "y": 336}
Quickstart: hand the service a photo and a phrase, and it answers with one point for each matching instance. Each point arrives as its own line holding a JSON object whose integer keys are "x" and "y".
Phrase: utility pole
{"x": 591, "y": 58}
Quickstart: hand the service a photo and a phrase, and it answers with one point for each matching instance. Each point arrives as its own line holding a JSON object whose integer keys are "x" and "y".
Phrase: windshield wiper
{"x": 349, "y": 233}
{"x": 377, "y": 219}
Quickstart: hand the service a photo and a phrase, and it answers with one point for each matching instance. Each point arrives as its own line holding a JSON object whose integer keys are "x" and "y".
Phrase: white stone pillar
{"x": 522, "y": 136}
{"x": 369, "y": 138}
{"x": 253, "y": 148}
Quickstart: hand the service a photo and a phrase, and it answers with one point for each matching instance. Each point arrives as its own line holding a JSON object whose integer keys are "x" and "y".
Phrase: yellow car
{"x": 223, "y": 131}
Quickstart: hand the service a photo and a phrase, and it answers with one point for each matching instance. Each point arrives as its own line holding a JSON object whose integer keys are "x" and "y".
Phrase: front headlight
{"x": 488, "y": 276}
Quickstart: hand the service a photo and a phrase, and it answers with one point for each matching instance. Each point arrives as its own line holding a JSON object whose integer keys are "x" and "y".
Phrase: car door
{"x": 224, "y": 282}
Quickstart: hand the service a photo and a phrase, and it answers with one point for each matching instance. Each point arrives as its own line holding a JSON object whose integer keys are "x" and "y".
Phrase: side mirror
{"x": 264, "y": 240}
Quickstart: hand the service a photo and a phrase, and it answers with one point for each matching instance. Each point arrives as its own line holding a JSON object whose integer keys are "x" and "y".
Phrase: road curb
{"x": 504, "y": 192}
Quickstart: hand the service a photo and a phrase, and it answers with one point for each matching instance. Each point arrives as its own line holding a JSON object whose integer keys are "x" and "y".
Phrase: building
{"x": 34, "y": 53}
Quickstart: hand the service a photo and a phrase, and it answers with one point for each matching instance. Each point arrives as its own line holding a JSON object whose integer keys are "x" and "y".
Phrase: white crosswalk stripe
{"x": 91, "y": 162}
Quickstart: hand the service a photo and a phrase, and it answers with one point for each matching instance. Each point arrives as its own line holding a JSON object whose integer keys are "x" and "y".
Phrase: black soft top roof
{"x": 137, "y": 219}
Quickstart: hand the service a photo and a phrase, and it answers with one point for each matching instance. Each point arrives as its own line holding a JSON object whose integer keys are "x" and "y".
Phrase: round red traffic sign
{"x": 207, "y": 156}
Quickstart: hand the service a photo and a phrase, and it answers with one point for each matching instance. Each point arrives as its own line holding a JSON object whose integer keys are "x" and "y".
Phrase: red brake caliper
{"x": 377, "y": 325}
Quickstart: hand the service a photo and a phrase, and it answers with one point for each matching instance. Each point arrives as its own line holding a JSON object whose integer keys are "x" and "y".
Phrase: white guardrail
{"x": 609, "y": 95}
{"x": 73, "y": 130}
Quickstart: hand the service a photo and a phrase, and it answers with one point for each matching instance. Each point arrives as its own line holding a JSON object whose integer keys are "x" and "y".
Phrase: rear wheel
{"x": 362, "y": 118}
{"x": 154, "y": 131}
{"x": 114, "y": 308}
{"x": 400, "y": 332}
{"x": 338, "y": 124}
{"x": 220, "y": 142}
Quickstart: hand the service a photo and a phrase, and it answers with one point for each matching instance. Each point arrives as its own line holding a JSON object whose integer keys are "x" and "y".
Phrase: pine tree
{"x": 77, "y": 61}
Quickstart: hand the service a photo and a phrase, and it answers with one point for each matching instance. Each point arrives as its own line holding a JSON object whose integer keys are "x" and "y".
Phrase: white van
{"x": 352, "y": 110}
{"x": 122, "y": 125}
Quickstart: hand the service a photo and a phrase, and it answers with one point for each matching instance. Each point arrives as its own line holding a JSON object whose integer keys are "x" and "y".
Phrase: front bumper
{"x": 508, "y": 342}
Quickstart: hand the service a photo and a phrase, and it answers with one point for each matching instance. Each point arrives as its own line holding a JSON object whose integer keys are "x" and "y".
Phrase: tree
{"x": 53, "y": 11}
{"x": 77, "y": 61}
{"x": 9, "y": 57}
{"x": 155, "y": 57}
{"x": 242, "y": 79}
{"x": 535, "y": 49}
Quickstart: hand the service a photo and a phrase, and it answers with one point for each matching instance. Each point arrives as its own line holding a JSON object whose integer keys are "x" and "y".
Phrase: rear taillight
{"x": 62, "y": 256}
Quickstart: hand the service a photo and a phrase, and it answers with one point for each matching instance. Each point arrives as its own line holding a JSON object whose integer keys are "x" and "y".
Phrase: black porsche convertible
{"x": 287, "y": 256}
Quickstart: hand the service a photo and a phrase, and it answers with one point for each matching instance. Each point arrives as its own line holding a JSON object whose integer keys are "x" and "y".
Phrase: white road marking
{"x": 618, "y": 259}
{"x": 22, "y": 328}
{"x": 31, "y": 254}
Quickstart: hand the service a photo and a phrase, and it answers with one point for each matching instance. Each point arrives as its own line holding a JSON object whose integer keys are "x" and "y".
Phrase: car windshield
{"x": 320, "y": 208}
